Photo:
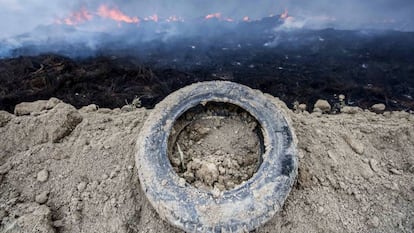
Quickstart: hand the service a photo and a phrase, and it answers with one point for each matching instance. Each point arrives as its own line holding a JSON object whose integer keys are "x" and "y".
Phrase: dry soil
{"x": 67, "y": 170}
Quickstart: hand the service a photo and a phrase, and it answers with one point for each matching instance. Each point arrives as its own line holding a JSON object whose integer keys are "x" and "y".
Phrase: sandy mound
{"x": 67, "y": 170}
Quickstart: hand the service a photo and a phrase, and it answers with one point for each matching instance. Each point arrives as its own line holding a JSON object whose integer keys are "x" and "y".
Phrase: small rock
{"x": 350, "y": 110}
{"x": 378, "y": 108}
{"x": 208, "y": 173}
{"x": 26, "y": 108}
{"x": 64, "y": 118}
{"x": 181, "y": 182}
{"x": 395, "y": 171}
{"x": 341, "y": 97}
{"x": 366, "y": 171}
{"x": 128, "y": 108}
{"x": 317, "y": 112}
{"x": 81, "y": 186}
{"x": 320, "y": 210}
{"x": 374, "y": 222}
{"x": 302, "y": 107}
{"x": 89, "y": 108}
{"x": 356, "y": 146}
{"x": 5, "y": 117}
{"x": 112, "y": 174}
{"x": 58, "y": 223}
{"x": 43, "y": 175}
{"x": 42, "y": 197}
{"x": 216, "y": 192}
{"x": 52, "y": 102}
{"x": 104, "y": 176}
{"x": 323, "y": 105}
{"x": 374, "y": 165}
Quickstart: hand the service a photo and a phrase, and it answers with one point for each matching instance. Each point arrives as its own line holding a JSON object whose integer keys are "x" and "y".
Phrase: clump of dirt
{"x": 216, "y": 146}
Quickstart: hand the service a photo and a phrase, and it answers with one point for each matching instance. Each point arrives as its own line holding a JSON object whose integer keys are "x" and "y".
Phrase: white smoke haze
{"x": 58, "y": 23}
{"x": 20, "y": 16}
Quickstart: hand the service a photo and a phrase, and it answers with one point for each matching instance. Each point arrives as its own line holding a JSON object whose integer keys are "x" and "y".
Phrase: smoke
{"x": 20, "y": 16}
{"x": 50, "y": 26}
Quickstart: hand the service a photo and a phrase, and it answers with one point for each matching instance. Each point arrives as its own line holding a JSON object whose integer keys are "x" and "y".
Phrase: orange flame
{"x": 115, "y": 14}
{"x": 76, "y": 17}
{"x": 215, "y": 15}
{"x": 152, "y": 18}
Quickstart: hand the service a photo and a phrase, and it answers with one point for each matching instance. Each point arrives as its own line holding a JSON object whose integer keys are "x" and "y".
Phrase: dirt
{"x": 218, "y": 148}
{"x": 72, "y": 170}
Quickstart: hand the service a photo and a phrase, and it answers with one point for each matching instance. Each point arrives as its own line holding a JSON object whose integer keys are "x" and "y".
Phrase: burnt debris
{"x": 368, "y": 67}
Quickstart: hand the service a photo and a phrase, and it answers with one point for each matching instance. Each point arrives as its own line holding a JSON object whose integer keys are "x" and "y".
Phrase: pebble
{"x": 395, "y": 171}
{"x": 320, "y": 210}
{"x": 366, "y": 171}
{"x": 128, "y": 108}
{"x": 350, "y": 110}
{"x": 208, "y": 173}
{"x": 5, "y": 117}
{"x": 112, "y": 174}
{"x": 355, "y": 145}
{"x": 374, "y": 222}
{"x": 317, "y": 112}
{"x": 181, "y": 182}
{"x": 81, "y": 186}
{"x": 374, "y": 165}
{"x": 323, "y": 105}
{"x": 43, "y": 175}
{"x": 104, "y": 176}
{"x": 42, "y": 197}
{"x": 58, "y": 223}
{"x": 302, "y": 107}
{"x": 216, "y": 192}
{"x": 89, "y": 108}
{"x": 378, "y": 107}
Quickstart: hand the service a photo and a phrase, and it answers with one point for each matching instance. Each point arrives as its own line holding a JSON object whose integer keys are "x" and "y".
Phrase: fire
{"x": 115, "y": 14}
{"x": 219, "y": 17}
{"x": 285, "y": 14}
{"x": 174, "y": 19}
{"x": 215, "y": 15}
{"x": 153, "y": 18}
{"x": 76, "y": 17}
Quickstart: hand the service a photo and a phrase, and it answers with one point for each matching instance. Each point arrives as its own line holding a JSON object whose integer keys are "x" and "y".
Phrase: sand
{"x": 67, "y": 170}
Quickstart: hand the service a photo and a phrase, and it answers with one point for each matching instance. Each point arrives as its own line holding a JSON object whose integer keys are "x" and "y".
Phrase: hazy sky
{"x": 18, "y": 16}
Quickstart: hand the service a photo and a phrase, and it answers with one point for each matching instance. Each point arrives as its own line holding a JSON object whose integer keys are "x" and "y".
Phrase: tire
{"x": 238, "y": 210}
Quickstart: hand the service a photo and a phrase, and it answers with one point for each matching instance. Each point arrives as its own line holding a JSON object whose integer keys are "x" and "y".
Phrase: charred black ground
{"x": 368, "y": 67}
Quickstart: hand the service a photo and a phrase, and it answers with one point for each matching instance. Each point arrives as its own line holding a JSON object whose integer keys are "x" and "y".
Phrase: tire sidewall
{"x": 247, "y": 206}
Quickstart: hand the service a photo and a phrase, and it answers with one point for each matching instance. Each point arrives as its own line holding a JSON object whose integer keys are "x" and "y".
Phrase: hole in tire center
{"x": 215, "y": 146}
